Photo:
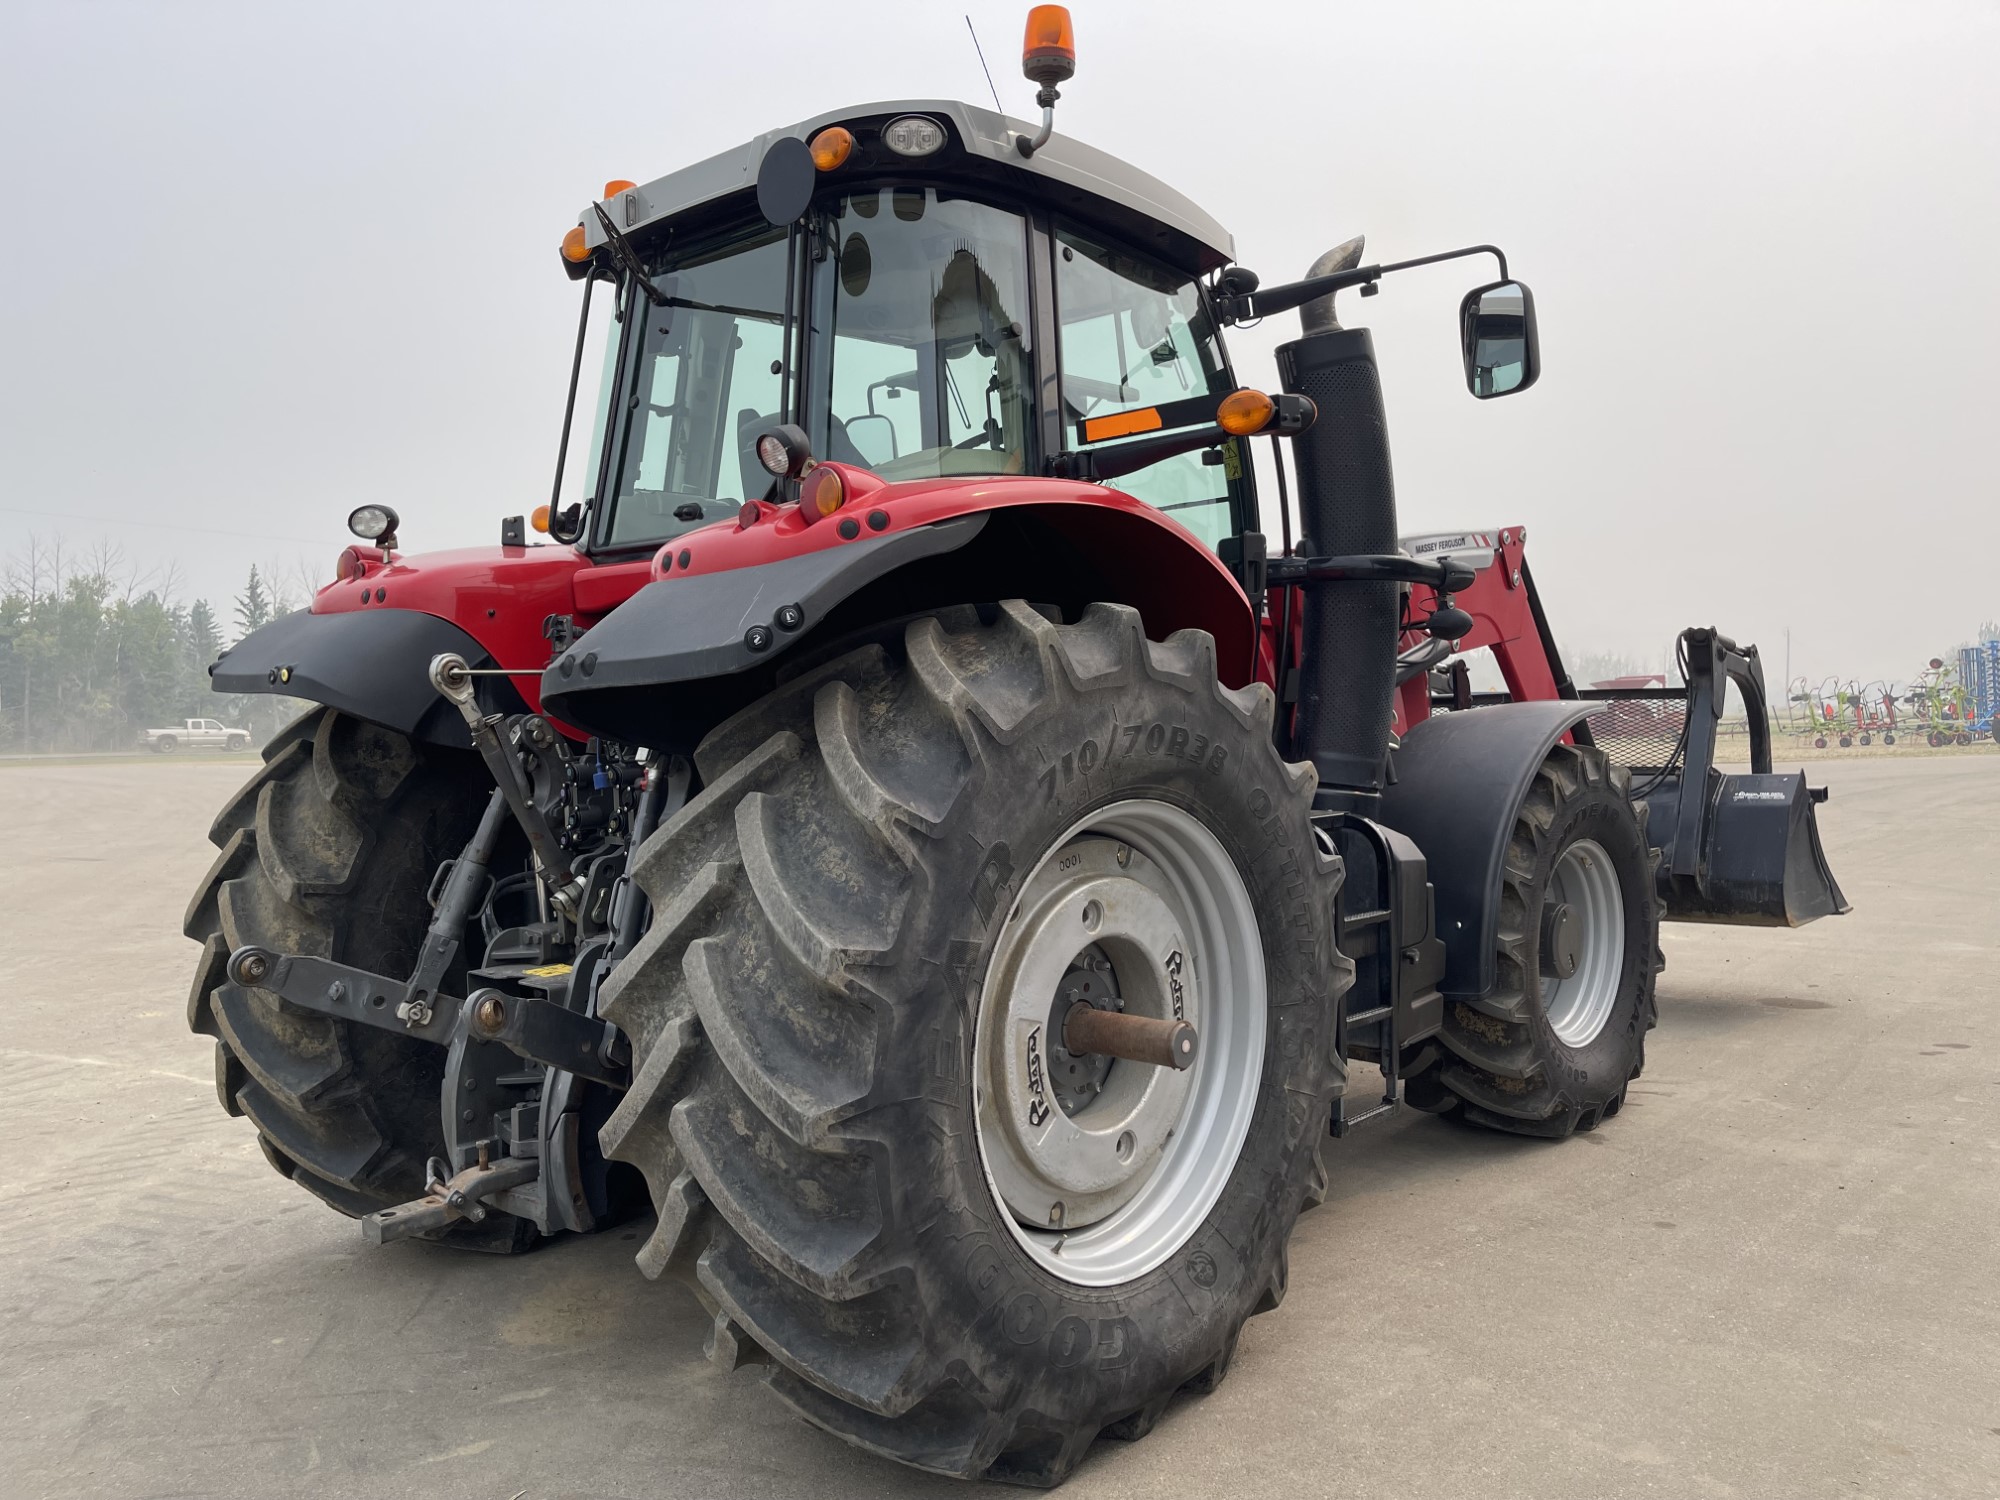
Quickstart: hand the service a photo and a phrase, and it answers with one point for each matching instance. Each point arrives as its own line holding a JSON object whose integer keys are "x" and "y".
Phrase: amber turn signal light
{"x": 574, "y": 250}
{"x": 831, "y": 147}
{"x": 618, "y": 185}
{"x": 539, "y": 519}
{"x": 821, "y": 493}
{"x": 1244, "y": 412}
{"x": 348, "y": 567}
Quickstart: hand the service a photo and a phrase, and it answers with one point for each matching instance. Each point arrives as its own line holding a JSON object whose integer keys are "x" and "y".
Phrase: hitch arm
{"x": 542, "y": 1031}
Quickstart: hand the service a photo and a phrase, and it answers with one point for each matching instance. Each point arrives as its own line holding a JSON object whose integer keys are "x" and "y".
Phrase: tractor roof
{"x": 1065, "y": 175}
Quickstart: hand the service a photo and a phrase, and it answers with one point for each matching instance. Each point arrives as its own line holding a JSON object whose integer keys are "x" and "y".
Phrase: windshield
{"x": 703, "y": 384}
{"x": 919, "y": 336}
{"x": 1135, "y": 335}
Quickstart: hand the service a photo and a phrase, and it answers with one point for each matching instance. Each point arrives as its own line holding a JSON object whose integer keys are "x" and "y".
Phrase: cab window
{"x": 702, "y": 388}
{"x": 919, "y": 338}
{"x": 1136, "y": 335}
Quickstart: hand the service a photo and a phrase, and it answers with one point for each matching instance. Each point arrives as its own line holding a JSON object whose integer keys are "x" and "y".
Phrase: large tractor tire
{"x": 329, "y": 849}
{"x": 1552, "y": 1049}
{"x": 944, "y": 1237}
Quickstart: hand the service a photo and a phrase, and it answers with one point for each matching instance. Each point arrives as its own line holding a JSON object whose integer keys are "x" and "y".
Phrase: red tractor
{"x": 907, "y": 827}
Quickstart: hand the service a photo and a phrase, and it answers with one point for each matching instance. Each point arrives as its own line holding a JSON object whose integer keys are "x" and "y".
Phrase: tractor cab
{"x": 935, "y": 306}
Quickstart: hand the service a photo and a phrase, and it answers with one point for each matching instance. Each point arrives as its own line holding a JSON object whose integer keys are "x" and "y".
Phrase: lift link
{"x": 544, "y": 1032}
{"x": 453, "y": 679}
{"x": 534, "y": 1029}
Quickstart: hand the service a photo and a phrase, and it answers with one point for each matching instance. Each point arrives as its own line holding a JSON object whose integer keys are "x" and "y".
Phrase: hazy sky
{"x": 265, "y": 262}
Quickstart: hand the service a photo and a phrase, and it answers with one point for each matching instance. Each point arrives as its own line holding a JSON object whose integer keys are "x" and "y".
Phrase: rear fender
{"x": 690, "y": 649}
{"x": 1458, "y": 780}
{"x": 374, "y": 665}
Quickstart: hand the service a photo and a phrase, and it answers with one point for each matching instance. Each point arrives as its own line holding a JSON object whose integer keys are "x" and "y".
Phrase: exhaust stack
{"x": 1347, "y": 505}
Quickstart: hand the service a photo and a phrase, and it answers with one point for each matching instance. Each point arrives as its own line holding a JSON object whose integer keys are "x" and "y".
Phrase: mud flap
{"x": 1757, "y": 859}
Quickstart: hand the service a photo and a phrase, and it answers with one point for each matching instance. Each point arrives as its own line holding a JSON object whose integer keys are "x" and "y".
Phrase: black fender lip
{"x": 681, "y": 629}
{"x": 1460, "y": 778}
{"x": 373, "y": 664}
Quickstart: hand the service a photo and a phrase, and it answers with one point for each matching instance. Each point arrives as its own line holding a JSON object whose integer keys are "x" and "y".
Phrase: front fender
{"x": 375, "y": 666}
{"x": 1459, "y": 781}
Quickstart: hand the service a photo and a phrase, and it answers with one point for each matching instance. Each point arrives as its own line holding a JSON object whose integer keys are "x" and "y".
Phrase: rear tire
{"x": 164, "y": 745}
{"x": 1543, "y": 1055}
{"x": 329, "y": 849}
{"x": 803, "y": 1014}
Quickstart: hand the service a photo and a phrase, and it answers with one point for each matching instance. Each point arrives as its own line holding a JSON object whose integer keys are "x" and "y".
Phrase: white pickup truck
{"x": 195, "y": 734}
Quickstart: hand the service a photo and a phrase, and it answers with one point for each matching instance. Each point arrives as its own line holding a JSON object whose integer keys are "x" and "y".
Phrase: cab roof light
{"x": 616, "y": 186}
{"x": 831, "y": 147}
{"x": 913, "y": 135}
{"x": 575, "y": 249}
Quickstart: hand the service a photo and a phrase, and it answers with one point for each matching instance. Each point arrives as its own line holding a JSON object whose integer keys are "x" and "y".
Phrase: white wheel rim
{"x": 1101, "y": 1186}
{"x": 1586, "y": 882}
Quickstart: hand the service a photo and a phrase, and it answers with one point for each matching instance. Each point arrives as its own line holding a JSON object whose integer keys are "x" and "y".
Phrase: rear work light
{"x": 913, "y": 135}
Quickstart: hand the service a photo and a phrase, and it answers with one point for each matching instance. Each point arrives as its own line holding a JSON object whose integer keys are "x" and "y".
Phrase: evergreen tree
{"x": 253, "y": 605}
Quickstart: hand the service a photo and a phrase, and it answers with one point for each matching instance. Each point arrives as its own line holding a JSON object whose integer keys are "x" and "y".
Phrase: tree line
{"x": 94, "y": 649}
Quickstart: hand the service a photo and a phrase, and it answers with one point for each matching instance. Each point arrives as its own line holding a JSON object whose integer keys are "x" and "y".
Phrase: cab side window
{"x": 1136, "y": 335}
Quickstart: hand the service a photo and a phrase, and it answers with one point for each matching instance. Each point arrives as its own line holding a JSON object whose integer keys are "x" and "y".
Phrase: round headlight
{"x": 372, "y": 522}
{"x": 913, "y": 135}
{"x": 784, "y": 450}
{"x": 772, "y": 454}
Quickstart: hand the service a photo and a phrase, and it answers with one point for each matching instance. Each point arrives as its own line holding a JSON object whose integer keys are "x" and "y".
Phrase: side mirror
{"x": 1497, "y": 328}
{"x": 873, "y": 437}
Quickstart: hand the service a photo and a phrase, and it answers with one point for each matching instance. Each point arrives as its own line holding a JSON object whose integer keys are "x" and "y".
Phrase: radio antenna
{"x": 982, "y": 64}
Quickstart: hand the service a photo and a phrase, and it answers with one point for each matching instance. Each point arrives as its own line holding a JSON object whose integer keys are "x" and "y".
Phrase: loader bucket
{"x": 1758, "y": 860}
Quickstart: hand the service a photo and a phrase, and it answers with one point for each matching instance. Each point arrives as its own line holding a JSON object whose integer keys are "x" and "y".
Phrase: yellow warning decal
{"x": 548, "y": 971}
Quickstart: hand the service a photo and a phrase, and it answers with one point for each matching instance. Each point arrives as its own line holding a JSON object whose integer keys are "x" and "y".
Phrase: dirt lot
{"x": 1777, "y": 1274}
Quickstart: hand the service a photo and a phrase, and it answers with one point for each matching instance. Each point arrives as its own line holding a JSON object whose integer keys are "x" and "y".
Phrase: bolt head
{"x": 491, "y": 1013}
{"x": 255, "y": 967}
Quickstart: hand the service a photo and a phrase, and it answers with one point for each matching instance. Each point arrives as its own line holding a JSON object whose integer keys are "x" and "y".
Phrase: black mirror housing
{"x": 1502, "y": 352}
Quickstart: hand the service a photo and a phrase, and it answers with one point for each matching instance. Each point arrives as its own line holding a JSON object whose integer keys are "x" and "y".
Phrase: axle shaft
{"x": 1140, "y": 1039}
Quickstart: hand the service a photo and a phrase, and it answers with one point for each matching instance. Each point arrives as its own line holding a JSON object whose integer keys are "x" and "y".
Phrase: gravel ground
{"x": 1776, "y": 1274}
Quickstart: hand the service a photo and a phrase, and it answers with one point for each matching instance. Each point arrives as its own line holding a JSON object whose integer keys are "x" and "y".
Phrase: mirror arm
{"x": 1247, "y": 306}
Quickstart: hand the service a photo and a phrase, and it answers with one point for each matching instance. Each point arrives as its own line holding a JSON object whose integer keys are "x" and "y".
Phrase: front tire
{"x": 1552, "y": 1048}
{"x": 817, "y": 1065}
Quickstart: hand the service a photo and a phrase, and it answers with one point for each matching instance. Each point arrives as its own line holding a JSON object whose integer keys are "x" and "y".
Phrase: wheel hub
{"x": 1081, "y": 1135}
{"x": 1583, "y": 943}
{"x": 1103, "y": 1166}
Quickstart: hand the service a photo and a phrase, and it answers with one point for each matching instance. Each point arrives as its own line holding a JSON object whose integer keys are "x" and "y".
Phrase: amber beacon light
{"x": 1048, "y": 51}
